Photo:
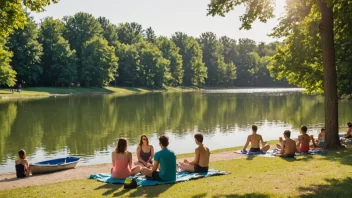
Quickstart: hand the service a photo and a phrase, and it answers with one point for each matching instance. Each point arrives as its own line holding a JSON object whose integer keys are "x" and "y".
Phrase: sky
{"x": 167, "y": 16}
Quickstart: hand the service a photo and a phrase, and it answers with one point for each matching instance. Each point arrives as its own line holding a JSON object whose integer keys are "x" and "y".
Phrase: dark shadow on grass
{"x": 335, "y": 188}
{"x": 149, "y": 191}
{"x": 248, "y": 195}
{"x": 344, "y": 156}
{"x": 110, "y": 188}
{"x": 199, "y": 195}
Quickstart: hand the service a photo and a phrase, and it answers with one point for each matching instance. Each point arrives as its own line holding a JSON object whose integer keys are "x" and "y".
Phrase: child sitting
{"x": 22, "y": 165}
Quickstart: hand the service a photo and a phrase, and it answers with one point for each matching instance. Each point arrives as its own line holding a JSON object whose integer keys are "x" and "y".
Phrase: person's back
{"x": 22, "y": 165}
{"x": 304, "y": 140}
{"x": 255, "y": 140}
{"x": 290, "y": 147}
{"x": 167, "y": 162}
{"x": 204, "y": 154}
{"x": 121, "y": 167}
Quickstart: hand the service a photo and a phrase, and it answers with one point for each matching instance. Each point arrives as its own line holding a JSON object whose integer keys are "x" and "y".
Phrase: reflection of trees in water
{"x": 8, "y": 114}
{"x": 89, "y": 124}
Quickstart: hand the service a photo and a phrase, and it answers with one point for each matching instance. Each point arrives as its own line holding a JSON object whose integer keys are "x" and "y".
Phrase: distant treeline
{"x": 87, "y": 51}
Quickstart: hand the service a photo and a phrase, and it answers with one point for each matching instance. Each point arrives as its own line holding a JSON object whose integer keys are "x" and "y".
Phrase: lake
{"x": 88, "y": 126}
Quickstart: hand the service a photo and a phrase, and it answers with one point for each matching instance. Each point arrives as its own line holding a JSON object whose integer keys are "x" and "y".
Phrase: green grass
{"x": 306, "y": 176}
{"x": 47, "y": 91}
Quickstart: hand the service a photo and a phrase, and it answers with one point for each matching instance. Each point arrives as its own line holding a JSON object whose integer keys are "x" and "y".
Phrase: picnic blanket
{"x": 143, "y": 181}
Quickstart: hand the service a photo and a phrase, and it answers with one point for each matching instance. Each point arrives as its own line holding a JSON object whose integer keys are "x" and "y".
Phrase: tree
{"x": 27, "y": 53}
{"x": 58, "y": 61}
{"x": 110, "y": 31}
{"x": 99, "y": 63}
{"x": 130, "y": 33}
{"x": 195, "y": 71}
{"x": 129, "y": 64}
{"x": 81, "y": 28}
{"x": 150, "y": 35}
{"x": 171, "y": 52}
{"x": 212, "y": 58}
{"x": 154, "y": 69}
{"x": 13, "y": 17}
{"x": 263, "y": 10}
{"x": 7, "y": 74}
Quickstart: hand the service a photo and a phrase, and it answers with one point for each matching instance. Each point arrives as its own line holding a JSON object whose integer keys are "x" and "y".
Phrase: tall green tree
{"x": 171, "y": 52}
{"x": 154, "y": 69}
{"x": 129, "y": 65}
{"x": 58, "y": 61}
{"x": 7, "y": 74}
{"x": 263, "y": 10}
{"x": 212, "y": 58}
{"x": 150, "y": 35}
{"x": 81, "y": 28}
{"x": 99, "y": 63}
{"x": 27, "y": 53}
{"x": 109, "y": 31}
{"x": 195, "y": 71}
{"x": 130, "y": 33}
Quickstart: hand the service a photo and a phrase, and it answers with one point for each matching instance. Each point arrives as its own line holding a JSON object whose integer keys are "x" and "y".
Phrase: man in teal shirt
{"x": 166, "y": 159}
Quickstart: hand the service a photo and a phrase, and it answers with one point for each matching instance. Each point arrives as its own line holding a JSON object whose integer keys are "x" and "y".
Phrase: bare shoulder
{"x": 151, "y": 146}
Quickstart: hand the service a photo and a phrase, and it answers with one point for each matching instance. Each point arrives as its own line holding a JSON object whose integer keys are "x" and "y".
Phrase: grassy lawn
{"x": 306, "y": 176}
{"x": 47, "y": 91}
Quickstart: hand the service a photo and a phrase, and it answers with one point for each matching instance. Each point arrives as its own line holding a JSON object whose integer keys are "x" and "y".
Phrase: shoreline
{"x": 46, "y": 92}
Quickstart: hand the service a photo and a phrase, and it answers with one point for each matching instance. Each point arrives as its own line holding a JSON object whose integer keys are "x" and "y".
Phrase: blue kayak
{"x": 54, "y": 165}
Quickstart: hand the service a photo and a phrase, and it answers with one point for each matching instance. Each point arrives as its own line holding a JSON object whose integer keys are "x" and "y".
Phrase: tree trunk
{"x": 330, "y": 77}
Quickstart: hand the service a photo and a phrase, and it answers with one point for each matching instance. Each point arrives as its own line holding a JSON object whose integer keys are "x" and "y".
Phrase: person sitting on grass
{"x": 22, "y": 165}
{"x": 122, "y": 161}
{"x": 166, "y": 159}
{"x": 201, "y": 157}
{"x": 255, "y": 140}
{"x": 303, "y": 140}
{"x": 349, "y": 131}
{"x": 145, "y": 153}
{"x": 320, "y": 142}
{"x": 287, "y": 146}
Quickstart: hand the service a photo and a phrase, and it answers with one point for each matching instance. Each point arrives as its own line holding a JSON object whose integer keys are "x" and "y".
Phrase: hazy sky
{"x": 166, "y": 16}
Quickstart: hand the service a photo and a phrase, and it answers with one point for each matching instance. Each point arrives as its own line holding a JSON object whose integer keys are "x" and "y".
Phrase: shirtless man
{"x": 287, "y": 146}
{"x": 303, "y": 140}
{"x": 201, "y": 158}
{"x": 255, "y": 140}
{"x": 320, "y": 142}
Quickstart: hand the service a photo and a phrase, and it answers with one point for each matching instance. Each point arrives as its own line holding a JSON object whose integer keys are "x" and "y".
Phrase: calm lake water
{"x": 88, "y": 126}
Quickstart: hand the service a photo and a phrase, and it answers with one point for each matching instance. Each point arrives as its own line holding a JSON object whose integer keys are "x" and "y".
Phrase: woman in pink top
{"x": 122, "y": 162}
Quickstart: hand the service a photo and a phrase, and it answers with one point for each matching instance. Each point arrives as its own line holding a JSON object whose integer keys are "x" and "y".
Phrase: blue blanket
{"x": 143, "y": 181}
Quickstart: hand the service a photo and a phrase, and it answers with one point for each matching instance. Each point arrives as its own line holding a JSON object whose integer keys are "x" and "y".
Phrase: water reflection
{"x": 86, "y": 126}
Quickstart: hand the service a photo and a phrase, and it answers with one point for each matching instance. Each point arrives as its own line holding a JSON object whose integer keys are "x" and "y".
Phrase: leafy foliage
{"x": 27, "y": 53}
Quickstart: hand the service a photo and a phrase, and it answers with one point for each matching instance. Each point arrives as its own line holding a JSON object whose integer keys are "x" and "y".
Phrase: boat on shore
{"x": 54, "y": 165}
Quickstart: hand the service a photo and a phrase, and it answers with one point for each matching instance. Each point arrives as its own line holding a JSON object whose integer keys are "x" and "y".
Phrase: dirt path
{"x": 9, "y": 180}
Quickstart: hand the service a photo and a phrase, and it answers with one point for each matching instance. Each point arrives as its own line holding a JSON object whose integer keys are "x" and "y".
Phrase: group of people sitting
{"x": 159, "y": 166}
{"x": 287, "y": 146}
